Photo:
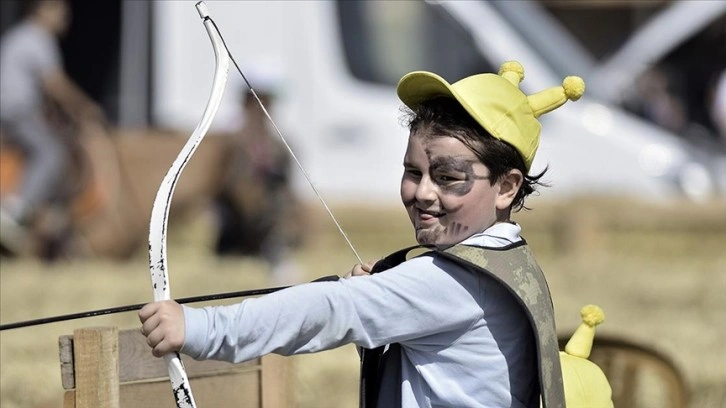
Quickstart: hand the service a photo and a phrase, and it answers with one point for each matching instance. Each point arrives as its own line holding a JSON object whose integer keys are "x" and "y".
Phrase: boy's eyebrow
{"x": 452, "y": 162}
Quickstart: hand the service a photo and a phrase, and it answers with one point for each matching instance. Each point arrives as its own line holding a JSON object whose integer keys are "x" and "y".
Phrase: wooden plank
{"x": 274, "y": 383}
{"x": 95, "y": 352}
{"x": 137, "y": 363}
{"x": 69, "y": 399}
{"x": 114, "y": 369}
{"x": 235, "y": 390}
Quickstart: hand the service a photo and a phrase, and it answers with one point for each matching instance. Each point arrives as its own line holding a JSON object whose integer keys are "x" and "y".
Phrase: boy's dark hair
{"x": 446, "y": 117}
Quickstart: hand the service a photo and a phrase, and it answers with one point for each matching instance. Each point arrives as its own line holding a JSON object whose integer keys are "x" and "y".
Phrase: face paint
{"x": 444, "y": 190}
{"x": 454, "y": 175}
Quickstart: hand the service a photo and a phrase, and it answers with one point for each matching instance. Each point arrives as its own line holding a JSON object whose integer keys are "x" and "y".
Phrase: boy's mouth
{"x": 428, "y": 215}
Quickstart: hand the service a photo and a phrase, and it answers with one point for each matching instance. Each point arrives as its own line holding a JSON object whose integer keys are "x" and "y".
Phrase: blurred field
{"x": 658, "y": 271}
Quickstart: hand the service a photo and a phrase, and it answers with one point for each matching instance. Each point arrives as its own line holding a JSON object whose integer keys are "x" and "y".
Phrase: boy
{"x": 458, "y": 335}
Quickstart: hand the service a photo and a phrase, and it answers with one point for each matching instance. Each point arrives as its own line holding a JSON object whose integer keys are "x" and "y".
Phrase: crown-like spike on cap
{"x": 512, "y": 71}
{"x": 580, "y": 343}
{"x": 550, "y": 99}
{"x": 574, "y": 87}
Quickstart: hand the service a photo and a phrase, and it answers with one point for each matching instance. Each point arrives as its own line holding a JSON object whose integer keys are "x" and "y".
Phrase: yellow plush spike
{"x": 580, "y": 343}
{"x": 550, "y": 99}
{"x": 512, "y": 71}
{"x": 574, "y": 87}
{"x": 586, "y": 386}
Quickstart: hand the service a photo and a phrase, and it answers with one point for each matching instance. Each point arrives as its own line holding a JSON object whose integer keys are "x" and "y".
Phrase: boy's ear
{"x": 509, "y": 185}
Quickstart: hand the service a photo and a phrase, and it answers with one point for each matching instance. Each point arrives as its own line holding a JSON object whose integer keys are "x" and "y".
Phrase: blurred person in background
{"x": 31, "y": 73}
{"x": 257, "y": 209}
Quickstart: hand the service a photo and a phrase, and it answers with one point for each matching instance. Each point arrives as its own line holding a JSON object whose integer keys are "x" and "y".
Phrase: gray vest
{"x": 515, "y": 268}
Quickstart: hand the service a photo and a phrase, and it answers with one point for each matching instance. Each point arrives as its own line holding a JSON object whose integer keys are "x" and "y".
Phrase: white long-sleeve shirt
{"x": 465, "y": 341}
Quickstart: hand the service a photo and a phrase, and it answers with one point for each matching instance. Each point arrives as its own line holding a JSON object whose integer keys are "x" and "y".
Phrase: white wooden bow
{"x": 162, "y": 204}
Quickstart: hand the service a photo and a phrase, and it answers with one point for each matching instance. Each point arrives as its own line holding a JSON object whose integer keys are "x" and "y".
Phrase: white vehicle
{"x": 337, "y": 64}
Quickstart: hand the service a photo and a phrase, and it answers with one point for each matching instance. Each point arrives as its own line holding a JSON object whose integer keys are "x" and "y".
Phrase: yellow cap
{"x": 496, "y": 102}
{"x": 585, "y": 384}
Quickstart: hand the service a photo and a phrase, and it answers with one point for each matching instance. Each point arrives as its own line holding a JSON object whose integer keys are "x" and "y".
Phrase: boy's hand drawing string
{"x": 162, "y": 203}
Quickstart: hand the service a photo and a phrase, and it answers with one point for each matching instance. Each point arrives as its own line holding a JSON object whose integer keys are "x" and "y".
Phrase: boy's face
{"x": 446, "y": 191}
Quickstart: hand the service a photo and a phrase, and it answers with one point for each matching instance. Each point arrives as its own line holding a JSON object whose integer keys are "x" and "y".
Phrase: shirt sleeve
{"x": 413, "y": 300}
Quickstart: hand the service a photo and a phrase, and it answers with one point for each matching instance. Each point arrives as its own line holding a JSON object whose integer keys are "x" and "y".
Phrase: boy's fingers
{"x": 162, "y": 348}
{"x": 149, "y": 325}
{"x": 368, "y": 266}
{"x": 154, "y": 338}
{"x": 148, "y": 310}
{"x": 159, "y": 350}
{"x": 357, "y": 270}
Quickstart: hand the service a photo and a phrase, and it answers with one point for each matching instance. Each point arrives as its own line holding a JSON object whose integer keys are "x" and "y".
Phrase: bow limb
{"x": 162, "y": 203}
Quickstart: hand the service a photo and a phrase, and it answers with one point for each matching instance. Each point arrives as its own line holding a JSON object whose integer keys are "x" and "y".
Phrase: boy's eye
{"x": 447, "y": 178}
{"x": 412, "y": 172}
